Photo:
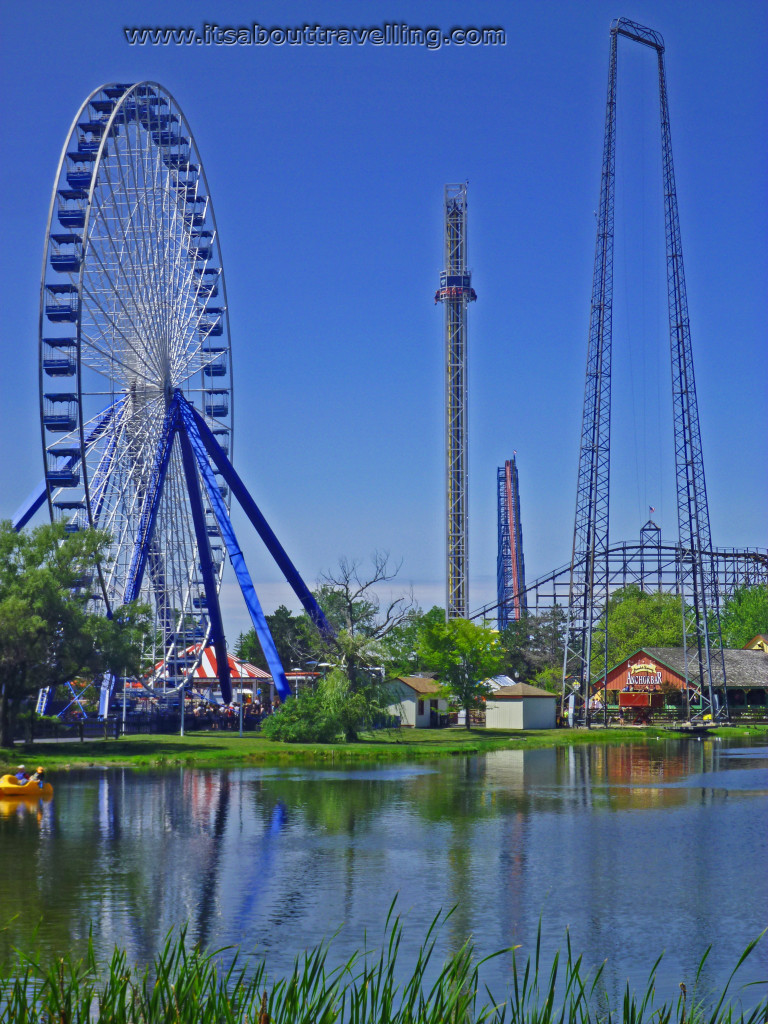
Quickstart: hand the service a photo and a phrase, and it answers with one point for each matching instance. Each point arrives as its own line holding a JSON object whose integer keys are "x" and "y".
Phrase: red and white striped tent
{"x": 238, "y": 669}
{"x": 207, "y": 670}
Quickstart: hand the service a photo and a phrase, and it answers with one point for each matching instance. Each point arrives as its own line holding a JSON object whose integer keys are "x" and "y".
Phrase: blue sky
{"x": 326, "y": 166}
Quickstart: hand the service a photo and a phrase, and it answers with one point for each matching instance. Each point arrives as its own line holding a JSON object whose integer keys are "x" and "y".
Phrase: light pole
{"x": 125, "y": 679}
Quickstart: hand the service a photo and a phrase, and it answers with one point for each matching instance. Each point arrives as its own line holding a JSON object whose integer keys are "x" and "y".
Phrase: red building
{"x": 656, "y": 670}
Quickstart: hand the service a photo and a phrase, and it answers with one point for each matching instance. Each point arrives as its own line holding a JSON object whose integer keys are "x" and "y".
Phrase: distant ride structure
{"x": 649, "y": 563}
{"x": 456, "y": 292}
{"x": 136, "y": 382}
{"x": 590, "y": 575}
{"x": 510, "y": 565}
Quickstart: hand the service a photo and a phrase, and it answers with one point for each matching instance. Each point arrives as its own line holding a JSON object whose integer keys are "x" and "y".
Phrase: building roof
{"x": 520, "y": 690}
{"x": 496, "y": 682}
{"x": 419, "y": 684}
{"x": 255, "y": 672}
{"x": 207, "y": 668}
{"x": 742, "y": 667}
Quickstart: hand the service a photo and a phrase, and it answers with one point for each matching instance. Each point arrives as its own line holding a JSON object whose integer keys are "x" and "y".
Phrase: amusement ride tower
{"x": 456, "y": 292}
{"x": 510, "y": 567}
{"x": 590, "y": 562}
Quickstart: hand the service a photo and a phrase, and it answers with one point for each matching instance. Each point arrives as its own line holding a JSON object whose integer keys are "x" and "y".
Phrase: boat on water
{"x": 694, "y": 727}
{"x": 29, "y": 789}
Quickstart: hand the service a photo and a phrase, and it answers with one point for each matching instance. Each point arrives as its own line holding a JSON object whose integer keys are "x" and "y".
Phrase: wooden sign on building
{"x": 653, "y": 670}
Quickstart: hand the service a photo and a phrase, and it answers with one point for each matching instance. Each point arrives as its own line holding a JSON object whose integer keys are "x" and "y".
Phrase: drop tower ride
{"x": 456, "y": 292}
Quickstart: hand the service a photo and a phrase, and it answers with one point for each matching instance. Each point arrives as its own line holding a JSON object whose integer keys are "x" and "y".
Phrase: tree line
{"x": 49, "y": 634}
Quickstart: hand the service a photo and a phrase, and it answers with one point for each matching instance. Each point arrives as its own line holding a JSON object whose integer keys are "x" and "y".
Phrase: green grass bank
{"x": 229, "y": 750}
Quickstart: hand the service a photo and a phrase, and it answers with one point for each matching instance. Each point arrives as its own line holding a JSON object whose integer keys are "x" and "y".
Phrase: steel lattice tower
{"x": 456, "y": 292}
{"x": 510, "y": 567}
{"x": 589, "y": 580}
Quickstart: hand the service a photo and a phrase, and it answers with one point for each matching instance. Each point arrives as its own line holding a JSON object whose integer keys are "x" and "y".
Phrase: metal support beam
{"x": 143, "y": 542}
{"x": 589, "y": 555}
{"x": 190, "y": 437}
{"x": 35, "y": 501}
{"x": 98, "y": 488}
{"x": 206, "y": 565}
{"x": 249, "y": 506}
{"x": 38, "y": 497}
{"x": 701, "y": 619}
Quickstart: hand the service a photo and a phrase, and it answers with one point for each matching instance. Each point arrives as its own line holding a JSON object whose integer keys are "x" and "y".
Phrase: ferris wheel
{"x": 132, "y": 310}
{"x": 136, "y": 386}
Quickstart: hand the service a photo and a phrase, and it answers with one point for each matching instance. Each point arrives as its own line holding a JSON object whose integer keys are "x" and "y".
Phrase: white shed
{"x": 521, "y": 706}
{"x": 416, "y": 698}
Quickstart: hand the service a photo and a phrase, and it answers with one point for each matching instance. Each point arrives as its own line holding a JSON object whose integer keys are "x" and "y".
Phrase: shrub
{"x": 303, "y": 719}
{"x": 335, "y": 710}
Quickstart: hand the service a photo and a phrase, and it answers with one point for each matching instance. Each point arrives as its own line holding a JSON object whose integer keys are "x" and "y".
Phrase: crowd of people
{"x": 150, "y": 714}
{"x": 227, "y": 716}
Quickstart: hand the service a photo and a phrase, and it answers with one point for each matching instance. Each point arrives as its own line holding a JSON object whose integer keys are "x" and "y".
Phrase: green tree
{"x": 364, "y": 621}
{"x": 47, "y": 634}
{"x": 331, "y": 711}
{"x": 464, "y": 655}
{"x": 352, "y": 709}
{"x": 365, "y": 636}
{"x": 352, "y": 602}
{"x": 304, "y": 719}
{"x": 550, "y": 678}
{"x": 401, "y": 646}
{"x": 637, "y": 619}
{"x": 744, "y": 615}
{"x": 293, "y": 636}
{"x": 534, "y": 643}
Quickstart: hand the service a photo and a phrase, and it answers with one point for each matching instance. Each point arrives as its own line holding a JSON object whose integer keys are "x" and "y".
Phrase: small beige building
{"x": 521, "y": 706}
{"x": 416, "y": 701}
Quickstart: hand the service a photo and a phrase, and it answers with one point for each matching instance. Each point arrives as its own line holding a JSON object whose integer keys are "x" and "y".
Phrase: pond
{"x": 635, "y": 849}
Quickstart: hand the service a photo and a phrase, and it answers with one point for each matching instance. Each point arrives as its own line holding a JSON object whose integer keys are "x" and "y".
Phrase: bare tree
{"x": 352, "y": 603}
{"x": 353, "y": 599}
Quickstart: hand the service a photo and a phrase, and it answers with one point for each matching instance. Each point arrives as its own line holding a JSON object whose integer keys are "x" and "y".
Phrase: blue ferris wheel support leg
{"x": 206, "y": 567}
{"x": 191, "y": 440}
{"x": 35, "y": 501}
{"x": 37, "y": 498}
{"x": 195, "y": 422}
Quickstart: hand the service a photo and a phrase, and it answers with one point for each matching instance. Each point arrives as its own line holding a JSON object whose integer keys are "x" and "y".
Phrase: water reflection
{"x": 633, "y": 848}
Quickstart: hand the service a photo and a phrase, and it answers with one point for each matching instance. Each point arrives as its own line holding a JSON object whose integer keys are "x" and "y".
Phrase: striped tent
{"x": 207, "y": 669}
{"x": 237, "y": 669}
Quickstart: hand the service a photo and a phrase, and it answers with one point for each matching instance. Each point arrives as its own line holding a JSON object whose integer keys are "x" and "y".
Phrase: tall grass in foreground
{"x": 187, "y": 986}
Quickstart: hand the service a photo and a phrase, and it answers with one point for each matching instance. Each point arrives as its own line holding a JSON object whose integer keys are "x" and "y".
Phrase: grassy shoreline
{"x": 189, "y": 986}
{"x": 228, "y": 750}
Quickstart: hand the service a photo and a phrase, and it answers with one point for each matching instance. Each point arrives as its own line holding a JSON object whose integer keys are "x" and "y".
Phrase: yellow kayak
{"x": 10, "y": 786}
